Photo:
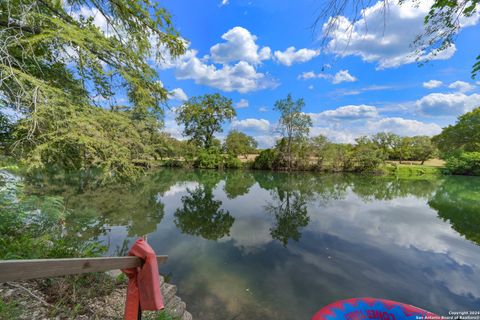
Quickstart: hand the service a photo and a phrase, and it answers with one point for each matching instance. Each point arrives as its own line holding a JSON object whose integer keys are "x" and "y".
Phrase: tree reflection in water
{"x": 138, "y": 206}
{"x": 201, "y": 215}
{"x": 291, "y": 215}
{"x": 238, "y": 183}
{"x": 289, "y": 206}
{"x": 458, "y": 201}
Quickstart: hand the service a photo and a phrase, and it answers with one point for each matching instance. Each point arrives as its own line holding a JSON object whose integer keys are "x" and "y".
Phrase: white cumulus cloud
{"x": 259, "y": 125}
{"x": 178, "y": 94}
{"x": 462, "y": 86}
{"x": 312, "y": 75}
{"x": 346, "y": 123}
{"x": 350, "y": 112}
{"x": 447, "y": 104}
{"x": 404, "y": 127}
{"x": 99, "y": 20}
{"x": 339, "y": 77}
{"x": 343, "y": 76}
{"x": 291, "y": 55}
{"x": 388, "y": 44}
{"x": 241, "y": 76}
{"x": 239, "y": 46}
{"x": 432, "y": 84}
{"x": 243, "y": 103}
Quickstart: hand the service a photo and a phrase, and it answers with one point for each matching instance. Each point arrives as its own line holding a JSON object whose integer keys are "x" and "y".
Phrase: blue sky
{"x": 256, "y": 52}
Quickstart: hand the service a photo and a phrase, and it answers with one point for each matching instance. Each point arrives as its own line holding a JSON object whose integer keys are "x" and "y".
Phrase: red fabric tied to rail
{"x": 144, "y": 282}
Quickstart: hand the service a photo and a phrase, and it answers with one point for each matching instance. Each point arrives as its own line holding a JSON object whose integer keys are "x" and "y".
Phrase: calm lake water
{"x": 261, "y": 245}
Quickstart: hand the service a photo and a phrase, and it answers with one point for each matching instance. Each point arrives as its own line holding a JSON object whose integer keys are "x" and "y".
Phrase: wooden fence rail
{"x": 11, "y": 270}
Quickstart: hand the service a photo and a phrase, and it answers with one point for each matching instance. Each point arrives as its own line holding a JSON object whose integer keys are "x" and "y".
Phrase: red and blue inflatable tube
{"x": 370, "y": 308}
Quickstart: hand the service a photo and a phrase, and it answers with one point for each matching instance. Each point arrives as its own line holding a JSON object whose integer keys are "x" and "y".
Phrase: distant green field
{"x": 411, "y": 170}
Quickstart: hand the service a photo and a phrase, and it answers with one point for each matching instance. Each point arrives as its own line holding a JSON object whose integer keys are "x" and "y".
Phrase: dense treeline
{"x": 121, "y": 144}
{"x": 366, "y": 154}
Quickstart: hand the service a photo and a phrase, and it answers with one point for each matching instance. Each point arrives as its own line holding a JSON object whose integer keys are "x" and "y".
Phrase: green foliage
{"x": 238, "y": 183}
{"x": 318, "y": 146}
{"x": 294, "y": 124}
{"x": 203, "y": 116}
{"x": 464, "y": 163}
{"x": 266, "y": 160}
{"x": 457, "y": 201}
{"x": 34, "y": 227}
{"x": 462, "y": 136}
{"x": 442, "y": 24}
{"x": 291, "y": 214}
{"x": 213, "y": 158}
{"x": 82, "y": 139}
{"x": 61, "y": 72}
{"x": 10, "y": 310}
{"x": 402, "y": 149}
{"x": 460, "y": 144}
{"x": 386, "y": 141}
{"x": 238, "y": 143}
{"x": 404, "y": 170}
{"x": 394, "y": 147}
{"x": 366, "y": 155}
{"x": 5, "y": 133}
{"x": 231, "y": 162}
{"x": 422, "y": 148}
{"x": 56, "y": 55}
{"x": 161, "y": 315}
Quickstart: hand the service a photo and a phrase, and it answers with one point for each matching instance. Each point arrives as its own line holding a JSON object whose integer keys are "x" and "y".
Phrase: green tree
{"x": 294, "y": 124}
{"x": 55, "y": 54}
{"x": 267, "y": 160}
{"x": 465, "y": 163}
{"x": 340, "y": 157}
{"x": 88, "y": 138}
{"x": 459, "y": 144}
{"x": 422, "y": 148}
{"x": 318, "y": 147}
{"x": 239, "y": 143}
{"x": 402, "y": 149}
{"x": 462, "y": 136}
{"x": 203, "y": 116}
{"x": 60, "y": 72}
{"x": 386, "y": 141}
{"x": 367, "y": 155}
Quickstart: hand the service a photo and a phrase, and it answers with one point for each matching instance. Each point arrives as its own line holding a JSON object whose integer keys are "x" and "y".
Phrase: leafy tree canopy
{"x": 462, "y": 136}
{"x": 294, "y": 124}
{"x": 61, "y": 71}
{"x": 239, "y": 143}
{"x": 52, "y": 52}
{"x": 203, "y": 116}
